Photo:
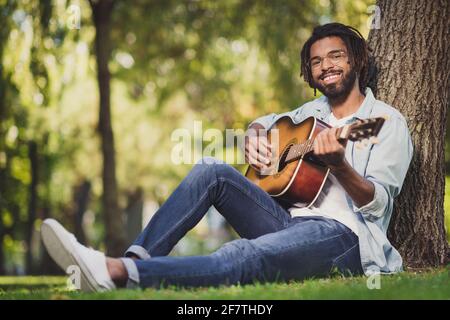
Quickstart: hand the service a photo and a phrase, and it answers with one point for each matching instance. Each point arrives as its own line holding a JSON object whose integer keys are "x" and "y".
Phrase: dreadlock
{"x": 357, "y": 48}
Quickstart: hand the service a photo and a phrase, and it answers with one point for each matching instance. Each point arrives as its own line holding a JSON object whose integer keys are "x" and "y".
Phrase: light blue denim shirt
{"x": 384, "y": 164}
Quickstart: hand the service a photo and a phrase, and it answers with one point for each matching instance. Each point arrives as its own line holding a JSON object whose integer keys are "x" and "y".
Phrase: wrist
{"x": 339, "y": 167}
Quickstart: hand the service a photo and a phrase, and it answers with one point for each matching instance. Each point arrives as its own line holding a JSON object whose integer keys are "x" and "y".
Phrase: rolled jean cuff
{"x": 138, "y": 251}
{"x": 133, "y": 273}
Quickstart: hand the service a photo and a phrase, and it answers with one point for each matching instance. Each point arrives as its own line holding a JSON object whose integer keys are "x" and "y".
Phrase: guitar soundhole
{"x": 282, "y": 163}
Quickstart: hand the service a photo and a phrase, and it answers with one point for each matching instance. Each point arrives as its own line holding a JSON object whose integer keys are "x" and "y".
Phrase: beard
{"x": 338, "y": 90}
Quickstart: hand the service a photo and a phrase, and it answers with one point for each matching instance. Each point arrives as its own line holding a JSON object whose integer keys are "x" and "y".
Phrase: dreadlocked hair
{"x": 358, "y": 51}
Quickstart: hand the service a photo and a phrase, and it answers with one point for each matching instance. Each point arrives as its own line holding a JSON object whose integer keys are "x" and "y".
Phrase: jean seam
{"x": 343, "y": 254}
{"x": 245, "y": 259}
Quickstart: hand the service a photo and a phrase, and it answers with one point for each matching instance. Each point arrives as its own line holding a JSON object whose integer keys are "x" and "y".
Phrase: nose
{"x": 326, "y": 64}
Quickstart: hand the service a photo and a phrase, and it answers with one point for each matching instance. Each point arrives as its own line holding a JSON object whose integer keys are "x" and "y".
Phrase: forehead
{"x": 323, "y": 46}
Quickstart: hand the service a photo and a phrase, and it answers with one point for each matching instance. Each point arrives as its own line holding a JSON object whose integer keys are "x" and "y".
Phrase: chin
{"x": 332, "y": 91}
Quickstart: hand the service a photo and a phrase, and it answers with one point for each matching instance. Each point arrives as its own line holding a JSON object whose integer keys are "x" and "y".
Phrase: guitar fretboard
{"x": 299, "y": 150}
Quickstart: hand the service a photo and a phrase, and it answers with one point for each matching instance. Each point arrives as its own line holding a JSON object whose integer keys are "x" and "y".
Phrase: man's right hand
{"x": 258, "y": 150}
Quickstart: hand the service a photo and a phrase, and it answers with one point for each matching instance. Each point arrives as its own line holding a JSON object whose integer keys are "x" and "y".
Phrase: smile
{"x": 331, "y": 78}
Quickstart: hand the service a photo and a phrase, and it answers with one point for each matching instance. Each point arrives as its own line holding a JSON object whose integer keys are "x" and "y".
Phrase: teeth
{"x": 333, "y": 76}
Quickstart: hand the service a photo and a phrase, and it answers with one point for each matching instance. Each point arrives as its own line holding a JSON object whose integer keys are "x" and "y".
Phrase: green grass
{"x": 433, "y": 284}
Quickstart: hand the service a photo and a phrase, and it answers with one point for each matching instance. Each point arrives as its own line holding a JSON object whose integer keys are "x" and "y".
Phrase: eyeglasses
{"x": 335, "y": 57}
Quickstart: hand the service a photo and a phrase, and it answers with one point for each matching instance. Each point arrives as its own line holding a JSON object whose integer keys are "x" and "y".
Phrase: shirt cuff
{"x": 375, "y": 208}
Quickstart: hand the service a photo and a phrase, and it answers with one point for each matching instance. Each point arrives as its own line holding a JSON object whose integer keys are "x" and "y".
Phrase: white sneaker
{"x": 63, "y": 247}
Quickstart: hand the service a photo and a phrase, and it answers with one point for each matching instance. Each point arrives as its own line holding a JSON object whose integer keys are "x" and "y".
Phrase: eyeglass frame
{"x": 343, "y": 52}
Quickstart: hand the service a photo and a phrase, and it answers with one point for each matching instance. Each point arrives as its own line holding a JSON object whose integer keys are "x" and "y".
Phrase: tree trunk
{"x": 47, "y": 265}
{"x": 134, "y": 213}
{"x": 411, "y": 53}
{"x": 114, "y": 220}
{"x": 32, "y": 205}
{"x": 81, "y": 201}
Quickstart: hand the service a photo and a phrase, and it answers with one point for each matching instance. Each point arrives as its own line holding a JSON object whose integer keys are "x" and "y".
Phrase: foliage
{"x": 222, "y": 62}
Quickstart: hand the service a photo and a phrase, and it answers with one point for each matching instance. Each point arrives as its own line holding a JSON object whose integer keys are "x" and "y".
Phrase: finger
{"x": 261, "y": 158}
{"x": 316, "y": 146}
{"x": 327, "y": 144}
{"x": 269, "y": 148}
{"x": 263, "y": 140}
{"x": 257, "y": 164}
{"x": 319, "y": 144}
{"x": 263, "y": 149}
{"x": 254, "y": 162}
{"x": 266, "y": 142}
{"x": 331, "y": 140}
{"x": 253, "y": 144}
{"x": 333, "y": 137}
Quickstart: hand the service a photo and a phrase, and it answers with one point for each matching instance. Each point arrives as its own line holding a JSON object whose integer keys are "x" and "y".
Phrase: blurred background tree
{"x": 85, "y": 127}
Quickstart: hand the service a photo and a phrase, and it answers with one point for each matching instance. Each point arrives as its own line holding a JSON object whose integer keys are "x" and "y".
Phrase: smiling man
{"x": 344, "y": 230}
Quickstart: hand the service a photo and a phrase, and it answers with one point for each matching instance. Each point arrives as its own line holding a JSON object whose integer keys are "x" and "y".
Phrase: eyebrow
{"x": 332, "y": 51}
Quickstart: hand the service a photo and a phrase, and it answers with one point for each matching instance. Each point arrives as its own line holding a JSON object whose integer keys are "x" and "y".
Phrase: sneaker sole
{"x": 62, "y": 252}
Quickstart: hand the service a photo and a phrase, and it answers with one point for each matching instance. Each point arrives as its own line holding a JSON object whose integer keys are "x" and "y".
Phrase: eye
{"x": 315, "y": 62}
{"x": 336, "y": 55}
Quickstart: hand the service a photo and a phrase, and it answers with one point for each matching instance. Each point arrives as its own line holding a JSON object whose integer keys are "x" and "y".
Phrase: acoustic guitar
{"x": 295, "y": 174}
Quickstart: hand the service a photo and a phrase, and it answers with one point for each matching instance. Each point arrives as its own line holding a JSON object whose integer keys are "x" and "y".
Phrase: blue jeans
{"x": 273, "y": 245}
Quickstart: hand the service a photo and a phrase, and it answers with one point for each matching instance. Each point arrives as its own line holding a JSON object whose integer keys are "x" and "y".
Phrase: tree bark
{"x": 411, "y": 54}
{"x": 114, "y": 218}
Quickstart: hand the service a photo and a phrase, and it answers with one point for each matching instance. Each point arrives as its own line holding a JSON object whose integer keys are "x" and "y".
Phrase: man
{"x": 344, "y": 230}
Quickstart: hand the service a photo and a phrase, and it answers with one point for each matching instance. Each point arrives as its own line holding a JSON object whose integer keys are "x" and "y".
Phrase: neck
{"x": 345, "y": 106}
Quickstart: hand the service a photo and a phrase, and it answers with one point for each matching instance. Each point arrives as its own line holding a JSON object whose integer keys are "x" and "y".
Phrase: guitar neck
{"x": 299, "y": 150}
{"x": 361, "y": 130}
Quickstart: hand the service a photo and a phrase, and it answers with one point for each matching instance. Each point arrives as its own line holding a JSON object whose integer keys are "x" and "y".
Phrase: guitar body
{"x": 300, "y": 180}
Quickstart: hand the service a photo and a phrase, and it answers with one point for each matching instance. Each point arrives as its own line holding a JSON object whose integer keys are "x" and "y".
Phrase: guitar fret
{"x": 299, "y": 150}
{"x": 310, "y": 144}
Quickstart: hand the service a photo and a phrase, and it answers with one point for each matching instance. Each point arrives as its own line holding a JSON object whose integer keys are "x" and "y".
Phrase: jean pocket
{"x": 348, "y": 263}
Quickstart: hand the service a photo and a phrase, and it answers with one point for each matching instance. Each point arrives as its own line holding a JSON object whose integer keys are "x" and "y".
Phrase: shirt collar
{"x": 363, "y": 111}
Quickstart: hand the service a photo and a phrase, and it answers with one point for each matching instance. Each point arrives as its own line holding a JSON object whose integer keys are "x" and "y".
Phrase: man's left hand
{"x": 328, "y": 149}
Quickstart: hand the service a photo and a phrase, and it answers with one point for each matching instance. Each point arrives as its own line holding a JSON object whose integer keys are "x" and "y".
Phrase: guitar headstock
{"x": 362, "y": 130}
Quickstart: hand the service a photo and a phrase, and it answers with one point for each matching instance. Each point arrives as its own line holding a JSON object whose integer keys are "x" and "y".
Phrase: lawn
{"x": 431, "y": 284}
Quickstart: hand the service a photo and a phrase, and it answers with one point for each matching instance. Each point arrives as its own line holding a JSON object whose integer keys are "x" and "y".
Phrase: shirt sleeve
{"x": 387, "y": 167}
{"x": 266, "y": 121}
